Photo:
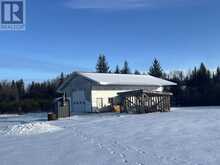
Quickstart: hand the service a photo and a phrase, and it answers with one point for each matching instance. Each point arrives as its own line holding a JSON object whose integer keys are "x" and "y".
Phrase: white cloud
{"x": 128, "y": 4}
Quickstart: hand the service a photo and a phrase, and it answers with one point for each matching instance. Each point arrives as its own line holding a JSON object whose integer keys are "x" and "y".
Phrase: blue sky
{"x": 68, "y": 35}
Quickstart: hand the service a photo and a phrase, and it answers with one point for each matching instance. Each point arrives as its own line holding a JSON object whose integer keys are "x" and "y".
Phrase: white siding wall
{"x": 105, "y": 95}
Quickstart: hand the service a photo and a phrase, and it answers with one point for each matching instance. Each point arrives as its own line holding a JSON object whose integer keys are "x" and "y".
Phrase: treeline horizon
{"x": 197, "y": 87}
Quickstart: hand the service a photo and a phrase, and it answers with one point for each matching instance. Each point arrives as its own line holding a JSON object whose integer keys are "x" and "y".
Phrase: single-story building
{"x": 92, "y": 92}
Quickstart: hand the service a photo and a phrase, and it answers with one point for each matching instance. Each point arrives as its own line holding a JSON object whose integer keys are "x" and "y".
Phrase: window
{"x": 99, "y": 102}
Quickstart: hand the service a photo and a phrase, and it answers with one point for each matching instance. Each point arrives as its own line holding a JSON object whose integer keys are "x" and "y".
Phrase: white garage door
{"x": 79, "y": 102}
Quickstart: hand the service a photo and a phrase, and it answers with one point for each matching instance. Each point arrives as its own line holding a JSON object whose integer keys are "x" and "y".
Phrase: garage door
{"x": 79, "y": 102}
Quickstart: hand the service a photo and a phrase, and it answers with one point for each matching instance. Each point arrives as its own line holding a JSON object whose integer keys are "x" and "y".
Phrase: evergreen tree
{"x": 155, "y": 69}
{"x": 137, "y": 72}
{"x": 20, "y": 88}
{"x": 216, "y": 75}
{"x": 15, "y": 92}
{"x": 203, "y": 75}
{"x": 125, "y": 69}
{"x": 117, "y": 70}
{"x": 192, "y": 78}
{"x": 102, "y": 65}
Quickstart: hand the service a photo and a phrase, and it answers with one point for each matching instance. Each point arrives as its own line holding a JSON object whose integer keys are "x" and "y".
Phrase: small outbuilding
{"x": 94, "y": 92}
{"x": 61, "y": 107}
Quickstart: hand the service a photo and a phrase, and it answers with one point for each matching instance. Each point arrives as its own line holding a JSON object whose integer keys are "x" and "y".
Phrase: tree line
{"x": 15, "y": 97}
{"x": 199, "y": 87}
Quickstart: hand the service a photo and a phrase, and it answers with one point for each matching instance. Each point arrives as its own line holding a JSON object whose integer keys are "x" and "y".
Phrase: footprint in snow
{"x": 122, "y": 155}
{"x": 125, "y": 161}
{"x": 139, "y": 163}
{"x": 100, "y": 146}
{"x": 112, "y": 152}
{"x": 141, "y": 152}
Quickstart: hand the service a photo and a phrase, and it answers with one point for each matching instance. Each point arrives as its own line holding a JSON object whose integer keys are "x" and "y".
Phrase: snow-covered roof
{"x": 125, "y": 79}
{"x": 119, "y": 79}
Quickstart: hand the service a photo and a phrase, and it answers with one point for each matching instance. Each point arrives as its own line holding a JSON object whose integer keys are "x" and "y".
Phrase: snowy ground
{"x": 185, "y": 136}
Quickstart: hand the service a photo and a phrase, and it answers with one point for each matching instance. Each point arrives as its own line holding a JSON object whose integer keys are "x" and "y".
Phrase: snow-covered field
{"x": 185, "y": 136}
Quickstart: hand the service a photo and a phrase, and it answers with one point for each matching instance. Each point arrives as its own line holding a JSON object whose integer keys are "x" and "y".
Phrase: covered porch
{"x": 142, "y": 101}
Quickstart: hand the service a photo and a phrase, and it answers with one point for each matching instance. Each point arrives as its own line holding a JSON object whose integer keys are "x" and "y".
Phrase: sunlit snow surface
{"x": 29, "y": 129}
{"x": 185, "y": 136}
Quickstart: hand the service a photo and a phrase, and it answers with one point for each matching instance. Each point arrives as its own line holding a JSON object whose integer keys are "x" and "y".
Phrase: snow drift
{"x": 30, "y": 129}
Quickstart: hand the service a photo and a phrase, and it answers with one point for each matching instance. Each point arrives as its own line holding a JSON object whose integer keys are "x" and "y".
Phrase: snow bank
{"x": 30, "y": 129}
{"x": 8, "y": 115}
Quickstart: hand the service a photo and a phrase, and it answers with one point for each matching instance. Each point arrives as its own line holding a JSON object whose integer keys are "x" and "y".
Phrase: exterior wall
{"x": 82, "y": 86}
{"x": 104, "y": 95}
{"x": 106, "y": 92}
